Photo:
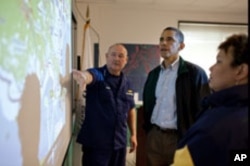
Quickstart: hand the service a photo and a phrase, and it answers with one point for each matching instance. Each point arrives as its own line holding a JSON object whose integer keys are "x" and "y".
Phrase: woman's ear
{"x": 242, "y": 72}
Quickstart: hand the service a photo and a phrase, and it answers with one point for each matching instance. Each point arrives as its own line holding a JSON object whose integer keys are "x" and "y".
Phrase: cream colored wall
{"x": 138, "y": 25}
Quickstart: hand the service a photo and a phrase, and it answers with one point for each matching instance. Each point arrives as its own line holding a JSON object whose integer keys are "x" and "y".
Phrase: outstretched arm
{"x": 82, "y": 78}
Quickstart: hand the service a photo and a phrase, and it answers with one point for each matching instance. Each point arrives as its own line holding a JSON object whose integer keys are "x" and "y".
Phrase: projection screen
{"x": 35, "y": 81}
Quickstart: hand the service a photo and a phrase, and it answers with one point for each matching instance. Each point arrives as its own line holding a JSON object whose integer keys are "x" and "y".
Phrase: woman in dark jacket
{"x": 223, "y": 128}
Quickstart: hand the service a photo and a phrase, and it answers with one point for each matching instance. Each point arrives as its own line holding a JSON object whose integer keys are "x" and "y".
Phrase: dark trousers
{"x": 98, "y": 157}
{"x": 160, "y": 147}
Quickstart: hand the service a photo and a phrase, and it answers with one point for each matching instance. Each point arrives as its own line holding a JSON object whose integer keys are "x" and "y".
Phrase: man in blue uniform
{"x": 109, "y": 108}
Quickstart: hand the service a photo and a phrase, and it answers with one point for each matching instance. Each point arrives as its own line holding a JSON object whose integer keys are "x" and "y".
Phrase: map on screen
{"x": 35, "y": 64}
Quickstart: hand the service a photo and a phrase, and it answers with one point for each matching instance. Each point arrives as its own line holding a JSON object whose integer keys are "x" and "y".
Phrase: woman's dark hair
{"x": 239, "y": 43}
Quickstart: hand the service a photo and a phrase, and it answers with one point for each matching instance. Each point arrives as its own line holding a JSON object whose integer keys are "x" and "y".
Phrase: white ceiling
{"x": 221, "y": 6}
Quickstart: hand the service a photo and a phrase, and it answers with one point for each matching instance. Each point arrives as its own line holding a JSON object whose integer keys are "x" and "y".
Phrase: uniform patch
{"x": 130, "y": 92}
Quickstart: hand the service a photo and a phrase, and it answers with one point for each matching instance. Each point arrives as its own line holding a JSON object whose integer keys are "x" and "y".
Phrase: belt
{"x": 169, "y": 131}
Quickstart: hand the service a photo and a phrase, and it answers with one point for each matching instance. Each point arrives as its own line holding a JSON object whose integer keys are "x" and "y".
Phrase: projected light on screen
{"x": 35, "y": 64}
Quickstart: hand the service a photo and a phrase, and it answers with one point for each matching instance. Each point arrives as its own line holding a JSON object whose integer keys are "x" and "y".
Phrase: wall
{"x": 129, "y": 24}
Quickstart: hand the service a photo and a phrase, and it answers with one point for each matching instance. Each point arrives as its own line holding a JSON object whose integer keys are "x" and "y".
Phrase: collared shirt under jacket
{"x": 191, "y": 86}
